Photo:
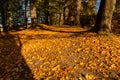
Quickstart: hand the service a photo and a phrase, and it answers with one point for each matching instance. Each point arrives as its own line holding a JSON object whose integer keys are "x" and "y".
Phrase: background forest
{"x": 82, "y": 13}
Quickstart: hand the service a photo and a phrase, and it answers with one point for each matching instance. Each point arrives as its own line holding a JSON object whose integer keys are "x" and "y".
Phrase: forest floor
{"x": 59, "y": 53}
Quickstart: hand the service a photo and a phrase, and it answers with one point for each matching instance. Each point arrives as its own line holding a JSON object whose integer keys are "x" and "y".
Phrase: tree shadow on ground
{"x": 77, "y": 31}
{"x": 60, "y": 35}
{"x": 48, "y": 32}
{"x": 61, "y": 29}
{"x": 12, "y": 63}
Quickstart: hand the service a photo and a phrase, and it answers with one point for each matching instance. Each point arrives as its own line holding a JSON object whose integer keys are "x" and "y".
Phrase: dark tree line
{"x": 58, "y": 12}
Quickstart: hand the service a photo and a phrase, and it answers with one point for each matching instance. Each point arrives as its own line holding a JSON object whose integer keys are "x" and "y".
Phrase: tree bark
{"x": 78, "y": 2}
{"x": 104, "y": 16}
{"x": 33, "y": 12}
{"x": 4, "y": 17}
{"x": 26, "y": 13}
{"x": 46, "y": 3}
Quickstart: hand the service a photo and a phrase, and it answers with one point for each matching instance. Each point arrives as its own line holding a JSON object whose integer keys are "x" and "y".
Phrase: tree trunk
{"x": 4, "y": 21}
{"x": 4, "y": 17}
{"x": 33, "y": 12}
{"x": 64, "y": 15}
{"x": 26, "y": 13}
{"x": 78, "y": 2}
{"x": 104, "y": 16}
{"x": 46, "y": 3}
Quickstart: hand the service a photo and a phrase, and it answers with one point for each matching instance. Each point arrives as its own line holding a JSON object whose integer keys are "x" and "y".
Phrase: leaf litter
{"x": 59, "y": 55}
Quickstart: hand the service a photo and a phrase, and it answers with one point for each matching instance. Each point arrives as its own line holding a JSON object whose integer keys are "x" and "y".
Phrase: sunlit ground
{"x": 59, "y": 53}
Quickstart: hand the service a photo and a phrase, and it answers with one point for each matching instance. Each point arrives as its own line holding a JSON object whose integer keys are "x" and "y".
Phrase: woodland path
{"x": 50, "y": 53}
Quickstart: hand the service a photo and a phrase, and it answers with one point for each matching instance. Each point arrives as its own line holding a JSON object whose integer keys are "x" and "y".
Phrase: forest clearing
{"x": 59, "y": 54}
